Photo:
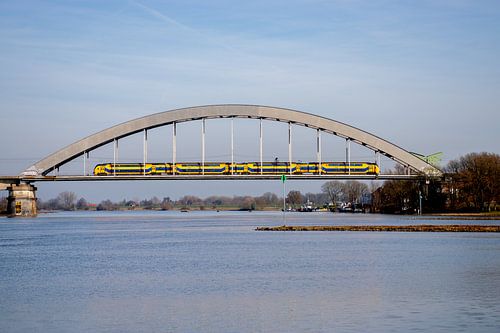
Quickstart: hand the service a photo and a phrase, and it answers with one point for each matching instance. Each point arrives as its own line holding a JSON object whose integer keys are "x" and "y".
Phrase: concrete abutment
{"x": 21, "y": 201}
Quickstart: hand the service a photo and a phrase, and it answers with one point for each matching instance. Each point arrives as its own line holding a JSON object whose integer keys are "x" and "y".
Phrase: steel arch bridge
{"x": 40, "y": 170}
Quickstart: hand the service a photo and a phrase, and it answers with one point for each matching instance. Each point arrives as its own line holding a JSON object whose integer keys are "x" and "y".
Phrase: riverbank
{"x": 464, "y": 216}
{"x": 390, "y": 228}
{"x": 461, "y": 217}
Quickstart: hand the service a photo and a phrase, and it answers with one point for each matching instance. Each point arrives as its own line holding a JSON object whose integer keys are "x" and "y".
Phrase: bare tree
{"x": 294, "y": 198}
{"x": 271, "y": 199}
{"x": 3, "y": 204}
{"x": 67, "y": 200}
{"x": 475, "y": 182}
{"x": 355, "y": 190}
{"x": 334, "y": 190}
{"x": 190, "y": 200}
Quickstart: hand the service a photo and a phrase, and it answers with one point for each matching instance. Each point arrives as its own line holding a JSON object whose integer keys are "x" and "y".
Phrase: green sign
{"x": 283, "y": 178}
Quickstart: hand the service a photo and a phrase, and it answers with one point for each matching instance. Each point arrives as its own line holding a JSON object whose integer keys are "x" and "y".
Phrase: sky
{"x": 422, "y": 74}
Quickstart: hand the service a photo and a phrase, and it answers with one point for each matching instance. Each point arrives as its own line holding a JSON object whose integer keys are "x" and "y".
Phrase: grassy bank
{"x": 392, "y": 228}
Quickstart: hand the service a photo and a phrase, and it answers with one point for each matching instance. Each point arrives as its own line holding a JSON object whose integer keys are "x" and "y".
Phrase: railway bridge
{"x": 22, "y": 197}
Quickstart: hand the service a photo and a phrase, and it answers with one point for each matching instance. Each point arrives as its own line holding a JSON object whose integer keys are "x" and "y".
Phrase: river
{"x": 211, "y": 272}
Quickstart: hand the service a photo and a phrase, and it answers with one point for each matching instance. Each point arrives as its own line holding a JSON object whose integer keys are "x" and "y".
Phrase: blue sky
{"x": 423, "y": 74}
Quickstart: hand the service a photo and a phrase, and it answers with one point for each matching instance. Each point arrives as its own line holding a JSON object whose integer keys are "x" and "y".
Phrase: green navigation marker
{"x": 283, "y": 178}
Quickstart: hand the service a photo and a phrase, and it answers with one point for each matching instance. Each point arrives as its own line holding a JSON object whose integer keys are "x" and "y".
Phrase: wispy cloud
{"x": 200, "y": 34}
{"x": 164, "y": 18}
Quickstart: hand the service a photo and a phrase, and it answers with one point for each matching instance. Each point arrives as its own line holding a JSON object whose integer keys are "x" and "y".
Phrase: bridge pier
{"x": 21, "y": 201}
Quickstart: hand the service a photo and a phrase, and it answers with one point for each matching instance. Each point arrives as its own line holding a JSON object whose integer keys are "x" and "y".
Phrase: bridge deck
{"x": 68, "y": 178}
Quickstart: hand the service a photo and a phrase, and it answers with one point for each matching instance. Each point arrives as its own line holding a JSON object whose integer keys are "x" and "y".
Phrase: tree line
{"x": 471, "y": 184}
{"x": 70, "y": 201}
{"x": 331, "y": 192}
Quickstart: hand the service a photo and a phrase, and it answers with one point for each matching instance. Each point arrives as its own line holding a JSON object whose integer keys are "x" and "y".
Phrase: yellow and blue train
{"x": 250, "y": 168}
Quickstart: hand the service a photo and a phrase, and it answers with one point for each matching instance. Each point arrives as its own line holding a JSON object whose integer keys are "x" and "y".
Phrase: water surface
{"x": 211, "y": 272}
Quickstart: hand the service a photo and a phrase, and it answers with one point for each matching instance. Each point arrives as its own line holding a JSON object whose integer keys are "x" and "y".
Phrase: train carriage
{"x": 271, "y": 168}
{"x": 199, "y": 168}
{"x": 251, "y": 168}
{"x": 123, "y": 169}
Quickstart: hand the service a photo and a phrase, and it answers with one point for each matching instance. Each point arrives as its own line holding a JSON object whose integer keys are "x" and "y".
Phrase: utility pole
{"x": 283, "y": 180}
{"x": 420, "y": 202}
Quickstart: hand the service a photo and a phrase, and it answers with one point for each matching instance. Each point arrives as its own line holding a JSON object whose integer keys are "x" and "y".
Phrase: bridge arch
{"x": 78, "y": 148}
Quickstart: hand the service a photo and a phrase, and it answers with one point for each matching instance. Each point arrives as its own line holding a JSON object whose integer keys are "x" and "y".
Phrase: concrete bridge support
{"x": 21, "y": 201}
